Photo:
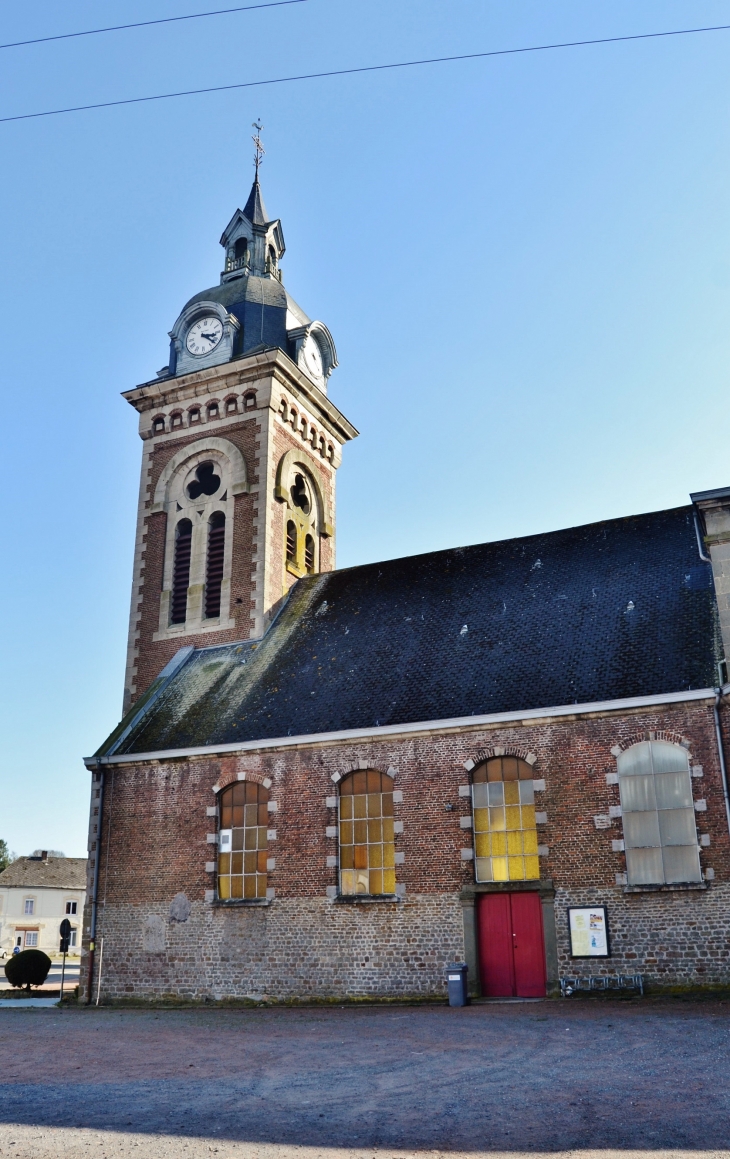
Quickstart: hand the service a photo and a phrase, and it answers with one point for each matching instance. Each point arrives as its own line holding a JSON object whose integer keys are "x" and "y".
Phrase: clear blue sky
{"x": 524, "y": 261}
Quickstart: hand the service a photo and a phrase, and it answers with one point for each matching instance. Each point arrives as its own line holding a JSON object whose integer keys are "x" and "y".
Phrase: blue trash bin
{"x": 456, "y": 977}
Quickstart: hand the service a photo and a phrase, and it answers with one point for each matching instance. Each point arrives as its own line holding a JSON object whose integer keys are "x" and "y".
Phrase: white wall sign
{"x": 588, "y": 928}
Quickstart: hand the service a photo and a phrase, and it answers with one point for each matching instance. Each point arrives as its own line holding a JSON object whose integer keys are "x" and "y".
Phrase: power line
{"x": 364, "y": 68}
{"x": 147, "y": 23}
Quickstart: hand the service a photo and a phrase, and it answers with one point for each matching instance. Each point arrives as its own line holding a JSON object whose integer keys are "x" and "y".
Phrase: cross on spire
{"x": 259, "y": 155}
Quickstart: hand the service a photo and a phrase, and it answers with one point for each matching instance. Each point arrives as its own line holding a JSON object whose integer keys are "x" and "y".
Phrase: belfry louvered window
{"x": 660, "y": 832}
{"x": 291, "y": 541}
{"x": 309, "y": 553}
{"x": 181, "y": 571}
{"x": 214, "y": 564}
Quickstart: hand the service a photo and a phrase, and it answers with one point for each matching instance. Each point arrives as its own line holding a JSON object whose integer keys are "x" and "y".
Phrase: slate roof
{"x": 617, "y": 609}
{"x": 254, "y": 209}
{"x": 54, "y": 873}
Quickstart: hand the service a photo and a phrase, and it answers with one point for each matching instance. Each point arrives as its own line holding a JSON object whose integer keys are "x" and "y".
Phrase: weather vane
{"x": 259, "y": 147}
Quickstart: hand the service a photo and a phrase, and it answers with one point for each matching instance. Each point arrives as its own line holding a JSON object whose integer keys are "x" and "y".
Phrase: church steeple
{"x": 254, "y": 209}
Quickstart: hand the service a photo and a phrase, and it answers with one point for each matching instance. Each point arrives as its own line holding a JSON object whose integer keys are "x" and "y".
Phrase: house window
{"x": 70, "y": 907}
{"x": 367, "y": 849}
{"x": 72, "y": 938}
{"x": 214, "y": 565}
{"x": 243, "y": 832}
{"x": 505, "y": 836}
{"x": 29, "y": 907}
{"x": 31, "y": 939}
{"x": 181, "y": 573}
{"x": 660, "y": 834}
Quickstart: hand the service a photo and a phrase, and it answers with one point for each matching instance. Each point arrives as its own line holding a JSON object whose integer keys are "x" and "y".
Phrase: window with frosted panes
{"x": 660, "y": 833}
{"x": 367, "y": 848}
{"x": 244, "y": 819}
{"x": 505, "y": 836}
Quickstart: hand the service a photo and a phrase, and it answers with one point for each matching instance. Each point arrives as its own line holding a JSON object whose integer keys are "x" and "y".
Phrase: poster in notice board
{"x": 588, "y": 928}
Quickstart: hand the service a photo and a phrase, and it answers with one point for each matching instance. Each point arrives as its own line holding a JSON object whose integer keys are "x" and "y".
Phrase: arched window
{"x": 214, "y": 564}
{"x": 213, "y": 412}
{"x": 194, "y": 415}
{"x": 240, "y": 252}
{"x": 505, "y": 836}
{"x": 284, "y": 410}
{"x": 367, "y": 849}
{"x": 309, "y": 554}
{"x": 242, "y": 841}
{"x": 271, "y": 260}
{"x": 231, "y": 406}
{"x": 660, "y": 833}
{"x": 176, "y": 420}
{"x": 158, "y": 425}
{"x": 181, "y": 572}
{"x": 291, "y": 541}
{"x": 249, "y": 400}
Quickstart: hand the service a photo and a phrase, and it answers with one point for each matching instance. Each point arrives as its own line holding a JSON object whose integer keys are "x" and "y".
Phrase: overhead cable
{"x": 147, "y": 23}
{"x": 362, "y": 69}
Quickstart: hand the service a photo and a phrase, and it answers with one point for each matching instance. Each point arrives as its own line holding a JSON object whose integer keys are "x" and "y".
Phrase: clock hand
{"x": 209, "y": 337}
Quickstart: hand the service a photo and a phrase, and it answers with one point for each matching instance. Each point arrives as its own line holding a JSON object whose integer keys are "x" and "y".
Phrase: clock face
{"x": 204, "y": 335}
{"x": 313, "y": 358}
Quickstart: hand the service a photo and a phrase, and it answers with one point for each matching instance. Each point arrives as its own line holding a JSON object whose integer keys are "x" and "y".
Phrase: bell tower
{"x": 241, "y": 444}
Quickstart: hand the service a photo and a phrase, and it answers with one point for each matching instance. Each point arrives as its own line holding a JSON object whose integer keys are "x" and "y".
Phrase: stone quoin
{"x": 330, "y": 784}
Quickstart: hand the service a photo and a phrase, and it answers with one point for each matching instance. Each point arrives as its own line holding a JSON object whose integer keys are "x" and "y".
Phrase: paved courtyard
{"x": 598, "y": 1078}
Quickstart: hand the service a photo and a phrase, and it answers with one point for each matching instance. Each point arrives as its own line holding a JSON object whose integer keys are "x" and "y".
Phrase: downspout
{"x": 721, "y": 754}
{"x": 95, "y": 886}
{"x": 704, "y": 557}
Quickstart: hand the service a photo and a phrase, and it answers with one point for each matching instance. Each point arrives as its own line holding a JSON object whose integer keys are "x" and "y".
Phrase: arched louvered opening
{"x": 214, "y": 565}
{"x": 309, "y": 553}
{"x": 181, "y": 571}
{"x": 291, "y": 541}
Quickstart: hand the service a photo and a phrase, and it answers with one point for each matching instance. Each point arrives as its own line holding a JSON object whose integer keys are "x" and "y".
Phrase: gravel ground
{"x": 598, "y": 1078}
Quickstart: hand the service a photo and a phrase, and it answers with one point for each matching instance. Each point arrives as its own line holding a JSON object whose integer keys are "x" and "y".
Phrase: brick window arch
{"x": 660, "y": 831}
{"x": 242, "y": 841}
{"x": 367, "y": 844}
{"x": 505, "y": 833}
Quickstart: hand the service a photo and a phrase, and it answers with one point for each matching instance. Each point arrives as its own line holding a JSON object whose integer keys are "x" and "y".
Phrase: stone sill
{"x": 679, "y": 887}
{"x": 366, "y": 899}
{"x": 243, "y": 902}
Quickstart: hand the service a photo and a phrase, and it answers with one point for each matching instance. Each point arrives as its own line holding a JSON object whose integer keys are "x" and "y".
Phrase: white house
{"x": 36, "y": 894}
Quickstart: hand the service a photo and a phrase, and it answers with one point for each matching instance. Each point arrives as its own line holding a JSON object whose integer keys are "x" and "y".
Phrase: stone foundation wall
{"x": 672, "y": 937}
{"x": 293, "y": 948}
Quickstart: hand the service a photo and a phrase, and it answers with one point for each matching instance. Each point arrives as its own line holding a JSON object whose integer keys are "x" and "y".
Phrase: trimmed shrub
{"x": 29, "y": 968}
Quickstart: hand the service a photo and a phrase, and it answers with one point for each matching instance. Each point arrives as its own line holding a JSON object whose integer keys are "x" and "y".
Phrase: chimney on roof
{"x": 44, "y": 855}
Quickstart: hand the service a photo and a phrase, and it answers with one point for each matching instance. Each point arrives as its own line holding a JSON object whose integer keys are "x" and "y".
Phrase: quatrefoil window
{"x": 206, "y": 482}
{"x": 300, "y": 495}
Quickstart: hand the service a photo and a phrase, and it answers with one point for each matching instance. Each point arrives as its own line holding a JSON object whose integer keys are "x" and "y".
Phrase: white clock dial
{"x": 204, "y": 335}
{"x": 313, "y": 358}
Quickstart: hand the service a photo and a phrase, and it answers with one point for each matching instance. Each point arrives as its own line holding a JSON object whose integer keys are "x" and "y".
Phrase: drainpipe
{"x": 95, "y": 886}
{"x": 721, "y": 754}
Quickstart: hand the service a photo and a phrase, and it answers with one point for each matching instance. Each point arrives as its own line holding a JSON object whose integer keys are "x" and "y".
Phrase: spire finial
{"x": 258, "y": 157}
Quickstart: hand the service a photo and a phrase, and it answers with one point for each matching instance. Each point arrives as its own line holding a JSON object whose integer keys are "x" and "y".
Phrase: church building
{"x": 332, "y": 783}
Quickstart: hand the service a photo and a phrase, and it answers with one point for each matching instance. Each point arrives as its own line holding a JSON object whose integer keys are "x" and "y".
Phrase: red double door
{"x": 511, "y": 945}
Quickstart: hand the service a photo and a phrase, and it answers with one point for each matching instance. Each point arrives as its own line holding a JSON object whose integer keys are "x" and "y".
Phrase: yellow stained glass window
{"x": 367, "y": 847}
{"x": 505, "y": 837}
{"x": 242, "y": 851}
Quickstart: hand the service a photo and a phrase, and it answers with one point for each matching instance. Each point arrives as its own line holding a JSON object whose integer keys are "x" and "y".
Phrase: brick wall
{"x": 154, "y": 847}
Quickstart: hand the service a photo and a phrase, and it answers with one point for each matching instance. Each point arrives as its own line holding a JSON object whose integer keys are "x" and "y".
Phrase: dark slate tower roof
{"x": 608, "y": 611}
{"x": 254, "y": 209}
